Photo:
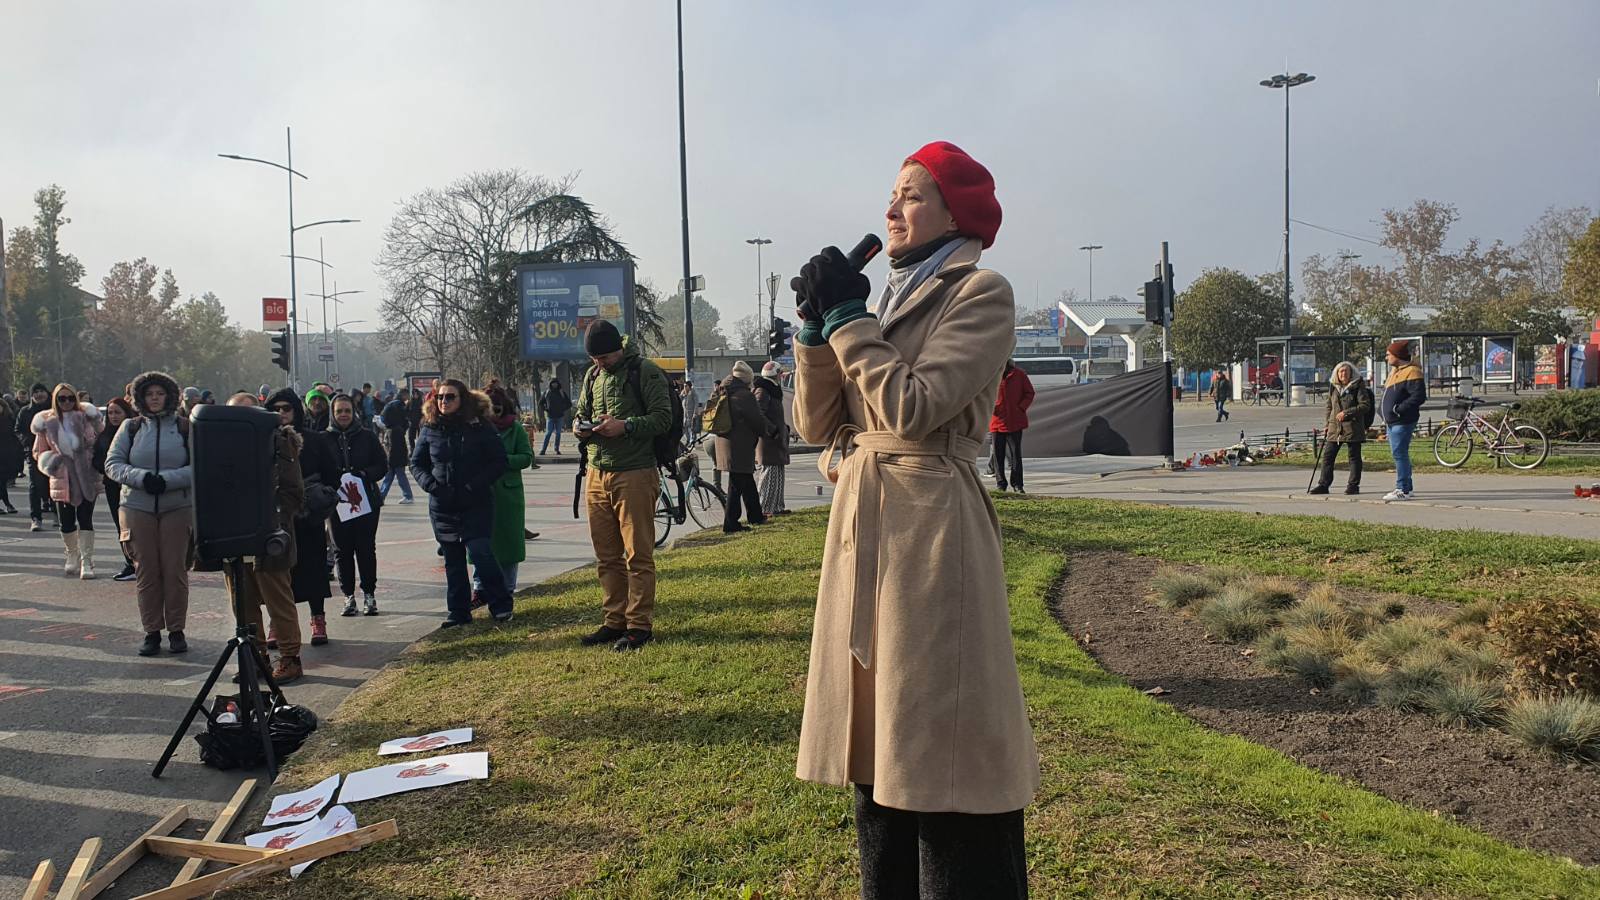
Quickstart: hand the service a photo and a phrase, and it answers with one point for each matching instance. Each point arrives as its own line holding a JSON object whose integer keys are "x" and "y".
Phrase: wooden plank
{"x": 39, "y": 887}
{"x": 120, "y": 863}
{"x": 277, "y": 862}
{"x": 183, "y": 848}
{"x": 218, "y": 829}
{"x": 79, "y": 872}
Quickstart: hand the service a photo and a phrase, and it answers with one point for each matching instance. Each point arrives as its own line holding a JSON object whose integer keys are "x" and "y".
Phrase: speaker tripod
{"x": 253, "y": 670}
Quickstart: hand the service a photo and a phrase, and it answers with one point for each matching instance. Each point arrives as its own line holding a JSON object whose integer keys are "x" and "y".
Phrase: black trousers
{"x": 742, "y": 488}
{"x": 356, "y": 542}
{"x": 73, "y": 518}
{"x": 1007, "y": 446}
{"x": 938, "y": 856}
{"x": 38, "y": 491}
{"x": 1330, "y": 452}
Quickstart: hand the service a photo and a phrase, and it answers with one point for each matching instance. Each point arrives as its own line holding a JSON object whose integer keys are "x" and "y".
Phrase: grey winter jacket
{"x": 157, "y": 448}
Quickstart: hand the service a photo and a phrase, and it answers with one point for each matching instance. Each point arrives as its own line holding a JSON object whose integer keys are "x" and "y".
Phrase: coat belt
{"x": 849, "y": 439}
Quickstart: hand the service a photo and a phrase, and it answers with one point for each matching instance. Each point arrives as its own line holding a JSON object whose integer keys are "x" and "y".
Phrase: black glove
{"x": 154, "y": 484}
{"x": 829, "y": 281}
{"x": 802, "y": 300}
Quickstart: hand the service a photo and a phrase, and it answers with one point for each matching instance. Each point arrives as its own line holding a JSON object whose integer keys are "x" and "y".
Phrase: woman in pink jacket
{"x": 63, "y": 445}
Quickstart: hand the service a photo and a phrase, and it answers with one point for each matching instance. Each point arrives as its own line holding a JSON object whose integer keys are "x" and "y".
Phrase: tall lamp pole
{"x": 759, "y": 242}
{"x": 1286, "y": 81}
{"x": 683, "y": 188}
{"x": 1091, "y": 248}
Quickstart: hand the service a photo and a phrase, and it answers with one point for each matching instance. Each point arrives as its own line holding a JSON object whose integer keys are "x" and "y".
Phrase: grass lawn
{"x": 670, "y": 772}
{"x": 1375, "y": 458}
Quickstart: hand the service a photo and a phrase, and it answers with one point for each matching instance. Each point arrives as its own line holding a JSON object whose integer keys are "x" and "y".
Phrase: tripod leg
{"x": 250, "y": 701}
{"x": 194, "y": 708}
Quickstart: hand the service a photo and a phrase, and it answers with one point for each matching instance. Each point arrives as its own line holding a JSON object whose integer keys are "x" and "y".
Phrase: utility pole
{"x": 1284, "y": 82}
{"x": 1166, "y": 341}
{"x": 683, "y": 189}
{"x": 759, "y": 242}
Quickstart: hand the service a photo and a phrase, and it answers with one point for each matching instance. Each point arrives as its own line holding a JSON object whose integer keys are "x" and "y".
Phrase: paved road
{"x": 82, "y": 718}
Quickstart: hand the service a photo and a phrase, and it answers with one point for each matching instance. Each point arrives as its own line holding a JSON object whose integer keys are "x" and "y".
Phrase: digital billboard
{"x": 556, "y": 302}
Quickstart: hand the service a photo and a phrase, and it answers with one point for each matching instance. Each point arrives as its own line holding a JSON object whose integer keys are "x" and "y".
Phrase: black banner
{"x": 1125, "y": 415}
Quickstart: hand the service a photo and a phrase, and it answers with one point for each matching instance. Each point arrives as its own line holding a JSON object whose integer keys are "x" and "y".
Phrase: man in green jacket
{"x": 622, "y": 408}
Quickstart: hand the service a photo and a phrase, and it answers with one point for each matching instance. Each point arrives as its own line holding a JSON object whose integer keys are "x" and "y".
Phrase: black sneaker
{"x": 1353, "y": 489}
{"x": 634, "y": 639}
{"x": 350, "y": 606}
{"x": 151, "y": 645}
{"x": 502, "y": 618}
{"x": 176, "y": 642}
{"x": 453, "y": 623}
{"x": 605, "y": 634}
{"x": 1319, "y": 489}
{"x": 127, "y": 573}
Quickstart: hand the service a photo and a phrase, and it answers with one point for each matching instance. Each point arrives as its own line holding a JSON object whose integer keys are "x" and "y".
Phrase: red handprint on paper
{"x": 283, "y": 840}
{"x": 352, "y": 496}
{"x": 295, "y": 809}
{"x": 422, "y": 771}
{"x": 425, "y": 743}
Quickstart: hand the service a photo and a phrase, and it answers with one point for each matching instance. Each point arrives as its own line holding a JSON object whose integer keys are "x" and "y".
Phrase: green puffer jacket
{"x": 609, "y": 394}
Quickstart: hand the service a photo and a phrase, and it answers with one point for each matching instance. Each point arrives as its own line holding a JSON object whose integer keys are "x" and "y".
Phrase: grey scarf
{"x": 902, "y": 283}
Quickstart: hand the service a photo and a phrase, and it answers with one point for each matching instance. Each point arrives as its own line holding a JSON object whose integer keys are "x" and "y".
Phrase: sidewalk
{"x": 1525, "y": 504}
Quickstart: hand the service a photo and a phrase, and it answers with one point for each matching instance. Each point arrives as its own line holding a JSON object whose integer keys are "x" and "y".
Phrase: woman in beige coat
{"x": 913, "y": 693}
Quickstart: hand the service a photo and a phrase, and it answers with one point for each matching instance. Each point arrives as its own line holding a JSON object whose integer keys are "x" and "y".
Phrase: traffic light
{"x": 778, "y": 339}
{"x": 280, "y": 349}
{"x": 1152, "y": 293}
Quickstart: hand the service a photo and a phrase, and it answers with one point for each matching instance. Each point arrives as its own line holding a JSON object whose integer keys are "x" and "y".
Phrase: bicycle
{"x": 684, "y": 494}
{"x": 1260, "y": 393}
{"x": 1521, "y": 445}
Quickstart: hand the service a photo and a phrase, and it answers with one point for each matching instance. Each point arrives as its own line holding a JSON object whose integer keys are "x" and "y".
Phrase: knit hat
{"x": 1401, "y": 350}
{"x": 772, "y": 369}
{"x": 191, "y": 395}
{"x": 314, "y": 393}
{"x": 39, "y": 386}
{"x": 967, "y": 186}
{"x": 742, "y": 371}
{"x": 602, "y": 338}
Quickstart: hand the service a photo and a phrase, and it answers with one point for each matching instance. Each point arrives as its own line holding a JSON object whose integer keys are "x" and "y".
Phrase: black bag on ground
{"x": 237, "y": 744}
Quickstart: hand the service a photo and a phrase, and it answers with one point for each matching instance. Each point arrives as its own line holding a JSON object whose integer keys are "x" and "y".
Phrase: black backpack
{"x": 666, "y": 445}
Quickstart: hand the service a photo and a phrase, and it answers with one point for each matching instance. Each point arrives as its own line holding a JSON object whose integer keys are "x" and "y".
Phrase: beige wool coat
{"x": 913, "y": 683}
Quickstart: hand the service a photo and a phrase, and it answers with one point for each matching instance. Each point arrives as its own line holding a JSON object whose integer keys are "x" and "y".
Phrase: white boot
{"x": 86, "y": 550}
{"x": 71, "y": 563}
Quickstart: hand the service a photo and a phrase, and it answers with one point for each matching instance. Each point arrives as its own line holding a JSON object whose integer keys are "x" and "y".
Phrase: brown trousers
{"x": 622, "y": 525}
{"x": 159, "y": 548}
{"x": 271, "y": 588}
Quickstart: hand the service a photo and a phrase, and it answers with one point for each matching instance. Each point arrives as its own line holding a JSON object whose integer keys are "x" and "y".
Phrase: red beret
{"x": 967, "y": 186}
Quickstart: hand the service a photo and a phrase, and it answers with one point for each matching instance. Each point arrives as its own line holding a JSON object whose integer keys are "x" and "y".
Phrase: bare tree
{"x": 1548, "y": 242}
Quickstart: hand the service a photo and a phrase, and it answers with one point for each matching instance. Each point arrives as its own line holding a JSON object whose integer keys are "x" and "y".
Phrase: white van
{"x": 1044, "y": 371}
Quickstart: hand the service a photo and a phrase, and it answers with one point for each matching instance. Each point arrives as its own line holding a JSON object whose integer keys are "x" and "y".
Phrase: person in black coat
{"x": 309, "y": 579}
{"x": 38, "y": 483}
{"x": 397, "y": 423}
{"x": 11, "y": 457}
{"x": 357, "y": 451}
{"x": 556, "y": 405}
{"x": 457, "y": 459}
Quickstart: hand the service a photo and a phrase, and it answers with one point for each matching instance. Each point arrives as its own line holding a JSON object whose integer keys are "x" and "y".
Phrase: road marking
{"x": 400, "y": 543}
{"x": 17, "y": 691}
{"x": 17, "y": 613}
{"x": 401, "y": 620}
{"x": 196, "y": 678}
{"x": 7, "y": 735}
{"x": 12, "y": 574}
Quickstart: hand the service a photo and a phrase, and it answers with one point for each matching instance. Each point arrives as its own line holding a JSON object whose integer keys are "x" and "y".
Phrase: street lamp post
{"x": 1091, "y": 248}
{"x": 328, "y": 364}
{"x": 1284, "y": 82}
{"x": 683, "y": 188}
{"x": 1349, "y": 270}
{"x": 759, "y": 243}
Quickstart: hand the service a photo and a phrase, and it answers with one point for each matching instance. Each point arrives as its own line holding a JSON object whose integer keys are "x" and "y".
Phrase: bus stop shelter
{"x": 1298, "y": 356}
{"x": 1496, "y": 358}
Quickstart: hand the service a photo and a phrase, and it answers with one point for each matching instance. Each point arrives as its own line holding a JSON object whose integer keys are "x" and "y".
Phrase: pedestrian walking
{"x": 736, "y": 449}
{"x": 267, "y": 578}
{"x": 38, "y": 483}
{"x": 319, "y": 472}
{"x": 1347, "y": 415}
{"x": 556, "y": 404}
{"x": 357, "y": 452}
{"x": 1006, "y": 425}
{"x": 622, "y": 409}
{"x": 414, "y": 416}
{"x": 118, "y": 410}
{"x": 457, "y": 459}
{"x": 1221, "y": 393}
{"x": 64, "y": 439}
{"x": 772, "y": 453}
{"x": 149, "y": 457}
{"x": 397, "y": 430}
{"x": 690, "y": 398}
{"x": 1404, "y": 392}
{"x": 508, "y": 538}
{"x": 912, "y": 693}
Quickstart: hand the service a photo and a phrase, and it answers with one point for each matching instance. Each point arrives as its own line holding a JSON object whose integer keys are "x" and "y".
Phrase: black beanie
{"x": 39, "y": 386}
{"x": 602, "y": 338}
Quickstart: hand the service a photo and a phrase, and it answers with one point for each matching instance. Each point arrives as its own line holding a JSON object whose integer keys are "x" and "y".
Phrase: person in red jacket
{"x": 1006, "y": 427}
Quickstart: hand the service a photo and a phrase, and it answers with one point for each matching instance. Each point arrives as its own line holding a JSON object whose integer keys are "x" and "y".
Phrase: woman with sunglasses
{"x": 63, "y": 444}
{"x": 457, "y": 459}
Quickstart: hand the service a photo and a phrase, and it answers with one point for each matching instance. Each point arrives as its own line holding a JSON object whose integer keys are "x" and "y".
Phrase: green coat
{"x": 612, "y": 396}
{"x": 510, "y": 509}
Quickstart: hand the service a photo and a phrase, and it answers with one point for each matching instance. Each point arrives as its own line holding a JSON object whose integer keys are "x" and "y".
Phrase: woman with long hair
{"x": 64, "y": 439}
{"x": 320, "y": 474}
{"x": 357, "y": 451}
{"x": 457, "y": 459}
{"x": 913, "y": 694}
{"x": 118, "y": 410}
{"x": 509, "y": 540}
{"x": 149, "y": 457}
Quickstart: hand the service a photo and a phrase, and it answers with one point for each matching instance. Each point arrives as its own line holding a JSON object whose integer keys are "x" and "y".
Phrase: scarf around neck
{"x": 903, "y": 281}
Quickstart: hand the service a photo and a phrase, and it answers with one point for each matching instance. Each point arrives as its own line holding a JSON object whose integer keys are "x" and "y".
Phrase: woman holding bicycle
{"x": 1349, "y": 410}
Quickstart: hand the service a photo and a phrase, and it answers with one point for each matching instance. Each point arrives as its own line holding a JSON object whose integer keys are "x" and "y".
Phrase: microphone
{"x": 863, "y": 252}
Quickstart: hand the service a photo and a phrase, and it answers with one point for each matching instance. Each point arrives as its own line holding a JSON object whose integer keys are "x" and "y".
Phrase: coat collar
{"x": 963, "y": 258}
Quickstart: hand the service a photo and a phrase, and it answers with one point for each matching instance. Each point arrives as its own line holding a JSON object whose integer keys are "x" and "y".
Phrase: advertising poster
{"x": 423, "y": 381}
{"x": 557, "y": 302}
{"x": 274, "y": 313}
{"x": 1499, "y": 361}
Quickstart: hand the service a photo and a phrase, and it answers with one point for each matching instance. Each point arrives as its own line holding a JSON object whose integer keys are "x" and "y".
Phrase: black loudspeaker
{"x": 231, "y": 450}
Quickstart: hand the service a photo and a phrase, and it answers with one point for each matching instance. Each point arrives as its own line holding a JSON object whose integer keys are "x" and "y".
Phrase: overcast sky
{"x": 1117, "y": 123}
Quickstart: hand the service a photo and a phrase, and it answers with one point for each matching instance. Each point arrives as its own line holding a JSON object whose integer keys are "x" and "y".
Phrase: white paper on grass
{"x": 353, "y": 499}
{"x": 397, "y": 778}
{"x": 431, "y": 741}
{"x": 301, "y": 805}
{"x": 338, "y": 820}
